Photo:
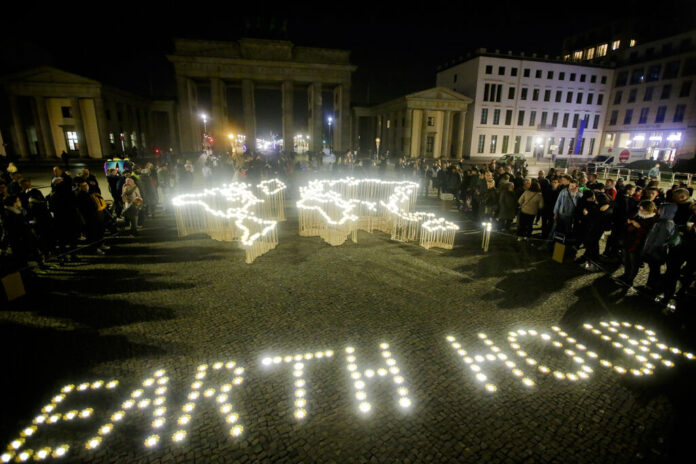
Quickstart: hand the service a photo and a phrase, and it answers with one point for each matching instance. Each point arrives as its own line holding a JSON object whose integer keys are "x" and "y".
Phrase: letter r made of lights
{"x": 530, "y": 358}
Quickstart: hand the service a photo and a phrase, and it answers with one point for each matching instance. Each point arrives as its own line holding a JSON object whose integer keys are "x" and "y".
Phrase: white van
{"x": 618, "y": 156}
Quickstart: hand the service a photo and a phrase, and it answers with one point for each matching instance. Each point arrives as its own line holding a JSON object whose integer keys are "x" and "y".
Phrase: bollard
{"x": 486, "y": 237}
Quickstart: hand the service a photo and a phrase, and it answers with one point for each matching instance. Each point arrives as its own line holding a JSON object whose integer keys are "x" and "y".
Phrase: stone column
{"x": 173, "y": 142}
{"x": 186, "y": 140}
{"x": 287, "y": 97}
{"x": 446, "y": 142}
{"x": 19, "y": 136}
{"x": 44, "y": 125}
{"x": 424, "y": 135}
{"x": 342, "y": 116}
{"x": 249, "y": 107}
{"x": 218, "y": 97}
{"x": 355, "y": 132}
{"x": 79, "y": 127}
{"x": 407, "y": 131}
{"x": 460, "y": 134}
{"x": 417, "y": 129}
{"x": 102, "y": 127}
{"x": 316, "y": 122}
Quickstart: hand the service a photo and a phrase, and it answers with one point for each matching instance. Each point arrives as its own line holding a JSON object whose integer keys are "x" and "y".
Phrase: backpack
{"x": 662, "y": 236}
{"x": 99, "y": 201}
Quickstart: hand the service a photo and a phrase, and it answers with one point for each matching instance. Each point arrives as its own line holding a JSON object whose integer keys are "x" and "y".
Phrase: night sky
{"x": 396, "y": 47}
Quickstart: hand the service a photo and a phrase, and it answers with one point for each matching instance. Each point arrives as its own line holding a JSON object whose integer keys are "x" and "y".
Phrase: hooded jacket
{"x": 658, "y": 239}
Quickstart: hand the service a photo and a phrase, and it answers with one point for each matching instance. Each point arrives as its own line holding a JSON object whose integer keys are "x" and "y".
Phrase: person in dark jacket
{"x": 93, "y": 218}
{"x": 19, "y": 234}
{"x": 67, "y": 222}
{"x": 596, "y": 218}
{"x": 637, "y": 229}
{"x": 507, "y": 205}
{"x": 677, "y": 256}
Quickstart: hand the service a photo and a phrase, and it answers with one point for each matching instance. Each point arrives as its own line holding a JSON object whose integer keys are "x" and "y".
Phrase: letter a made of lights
{"x": 234, "y": 213}
{"x": 336, "y": 209}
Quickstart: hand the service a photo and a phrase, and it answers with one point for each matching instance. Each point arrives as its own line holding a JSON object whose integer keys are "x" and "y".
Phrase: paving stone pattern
{"x": 161, "y": 302}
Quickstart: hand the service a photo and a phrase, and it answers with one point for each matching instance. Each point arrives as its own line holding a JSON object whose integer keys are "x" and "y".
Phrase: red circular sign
{"x": 624, "y": 155}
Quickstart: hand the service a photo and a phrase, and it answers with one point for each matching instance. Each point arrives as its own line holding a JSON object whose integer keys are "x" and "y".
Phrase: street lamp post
{"x": 204, "y": 117}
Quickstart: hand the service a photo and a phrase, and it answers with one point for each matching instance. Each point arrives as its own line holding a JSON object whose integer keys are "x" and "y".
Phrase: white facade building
{"x": 652, "y": 107}
{"x": 529, "y": 105}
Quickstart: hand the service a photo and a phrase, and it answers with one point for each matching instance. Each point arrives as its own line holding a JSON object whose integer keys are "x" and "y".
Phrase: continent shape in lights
{"x": 637, "y": 350}
{"x": 336, "y": 209}
{"x": 234, "y": 213}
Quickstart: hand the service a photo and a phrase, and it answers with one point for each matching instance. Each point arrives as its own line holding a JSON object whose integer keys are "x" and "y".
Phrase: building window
{"x": 614, "y": 116}
{"x": 569, "y": 97}
{"x": 455, "y": 77}
{"x": 523, "y": 94}
{"x": 602, "y": 50}
{"x": 621, "y": 79}
{"x": 389, "y": 124}
{"x": 537, "y": 74}
{"x": 572, "y": 76}
{"x": 671, "y": 70}
{"x": 604, "y": 79}
{"x": 518, "y": 140}
{"x": 571, "y": 145}
{"x": 628, "y": 116}
{"x": 526, "y": 72}
{"x": 577, "y": 55}
{"x": 653, "y": 73}
{"x": 431, "y": 121}
{"x": 637, "y": 76}
{"x": 575, "y": 120}
{"x": 547, "y": 95}
{"x": 685, "y": 89}
{"x": 648, "y": 94}
{"x": 501, "y": 70}
{"x": 578, "y": 100}
{"x": 632, "y": 95}
{"x": 689, "y": 67}
{"x": 615, "y": 44}
{"x": 513, "y": 71}
{"x": 71, "y": 137}
{"x": 583, "y": 77}
{"x": 535, "y": 94}
{"x": 660, "y": 116}
{"x": 643, "y": 118}
{"x": 489, "y": 69}
{"x": 532, "y": 118}
{"x": 592, "y": 142}
{"x": 561, "y": 76}
{"x": 617, "y": 97}
{"x": 566, "y": 116}
{"x": 596, "y": 122}
{"x": 552, "y": 141}
{"x": 561, "y": 144}
{"x": 559, "y": 95}
{"x": 496, "y": 117}
{"x": 484, "y": 115}
{"x": 66, "y": 111}
{"x": 511, "y": 93}
{"x": 554, "y": 119}
{"x": 593, "y": 79}
{"x": 481, "y": 143}
{"x": 632, "y": 43}
{"x": 679, "y": 113}
{"x": 486, "y": 92}
{"x": 429, "y": 144}
{"x": 582, "y": 145}
{"x": 520, "y": 118}
{"x": 549, "y": 74}
{"x": 544, "y": 116}
{"x": 112, "y": 139}
{"x": 589, "y": 53}
{"x": 666, "y": 90}
{"x": 590, "y": 97}
{"x": 494, "y": 141}
{"x": 506, "y": 140}
{"x": 498, "y": 91}
{"x": 508, "y": 117}
{"x": 528, "y": 144}
{"x": 600, "y": 98}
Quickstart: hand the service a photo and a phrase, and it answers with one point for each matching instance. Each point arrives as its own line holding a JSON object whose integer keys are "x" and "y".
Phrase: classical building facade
{"x": 429, "y": 123}
{"x": 653, "y": 102}
{"x": 259, "y": 64}
{"x": 49, "y": 111}
{"x": 529, "y": 105}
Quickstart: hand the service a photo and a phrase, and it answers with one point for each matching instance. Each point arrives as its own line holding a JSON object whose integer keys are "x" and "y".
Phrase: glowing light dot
{"x": 355, "y": 375}
{"x": 545, "y": 337}
{"x": 491, "y": 388}
{"x": 490, "y": 357}
{"x": 48, "y": 408}
{"x": 238, "y": 380}
{"x": 300, "y": 403}
{"x": 179, "y": 435}
{"x": 398, "y": 380}
{"x": 161, "y": 391}
{"x": 392, "y": 362}
{"x": 209, "y": 392}
{"x": 385, "y": 346}
{"x": 361, "y": 395}
{"x": 194, "y": 395}
{"x": 93, "y": 443}
{"x": 350, "y": 350}
{"x": 521, "y": 354}
{"x": 528, "y": 382}
{"x": 105, "y": 429}
{"x": 218, "y": 365}
{"x": 230, "y": 364}
{"x": 308, "y": 355}
{"x": 394, "y": 370}
{"x": 239, "y": 371}
{"x": 381, "y": 372}
{"x": 450, "y": 338}
{"x": 386, "y": 354}
{"x": 117, "y": 416}
{"x": 24, "y": 455}
{"x": 159, "y": 422}
{"x": 6, "y": 457}
{"x": 404, "y": 402}
{"x": 479, "y": 358}
{"x": 329, "y": 353}
{"x": 148, "y": 382}
{"x": 667, "y": 363}
{"x": 16, "y": 444}
{"x": 160, "y": 411}
{"x": 559, "y": 375}
{"x": 319, "y": 354}
{"x": 203, "y": 367}
{"x": 531, "y": 361}
{"x": 298, "y": 366}
{"x": 620, "y": 369}
{"x": 183, "y": 420}
{"x": 83, "y": 386}
{"x": 475, "y": 368}
{"x": 591, "y": 354}
{"x": 572, "y": 377}
{"x": 481, "y": 377}
{"x": 237, "y": 430}
{"x": 369, "y": 373}
{"x": 517, "y": 373}
{"x": 502, "y": 356}
{"x": 188, "y": 407}
{"x": 60, "y": 451}
{"x": 160, "y": 373}
{"x": 86, "y": 413}
{"x": 299, "y": 383}
{"x": 42, "y": 454}
{"x": 200, "y": 376}
{"x": 152, "y": 440}
{"x": 300, "y": 414}
{"x": 364, "y": 407}
{"x": 163, "y": 381}
{"x": 557, "y": 344}
{"x": 160, "y": 400}
{"x": 510, "y": 364}
{"x": 300, "y": 392}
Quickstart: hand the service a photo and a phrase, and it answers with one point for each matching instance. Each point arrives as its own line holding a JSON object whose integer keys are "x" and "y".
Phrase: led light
{"x": 491, "y": 388}
{"x": 112, "y": 384}
{"x": 85, "y": 413}
{"x": 16, "y": 444}
{"x": 329, "y": 353}
{"x": 209, "y": 392}
{"x": 194, "y": 395}
{"x": 517, "y": 373}
{"x": 159, "y": 422}
{"x": 188, "y": 407}
{"x": 200, "y": 375}
{"x": 160, "y": 411}
{"x": 179, "y": 435}
{"x": 152, "y": 440}
{"x": 404, "y": 402}
{"x": 355, "y": 375}
{"x": 117, "y": 416}
{"x": 83, "y": 386}
{"x": 479, "y": 358}
{"x": 381, "y": 372}
{"x": 183, "y": 420}
{"x": 160, "y": 373}
{"x": 300, "y": 414}
{"x": 162, "y": 381}
{"x": 93, "y": 443}
{"x": 394, "y": 370}
{"x": 160, "y": 400}
{"x": 105, "y": 429}
{"x": 218, "y": 365}
{"x": 230, "y": 364}
{"x": 364, "y": 407}
{"x": 398, "y": 380}
{"x": 6, "y": 457}
{"x": 42, "y": 454}
{"x": 300, "y": 403}
{"x": 237, "y": 430}
{"x": 48, "y": 408}
{"x": 238, "y": 380}
{"x": 24, "y": 455}
{"x": 510, "y": 364}
{"x": 54, "y": 418}
{"x": 350, "y": 350}
{"x": 559, "y": 375}
{"x": 300, "y": 392}
{"x": 481, "y": 377}
{"x": 620, "y": 369}
{"x": 61, "y": 451}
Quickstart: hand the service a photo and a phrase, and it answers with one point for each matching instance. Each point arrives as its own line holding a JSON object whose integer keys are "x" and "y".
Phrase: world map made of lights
{"x": 636, "y": 351}
{"x": 330, "y": 209}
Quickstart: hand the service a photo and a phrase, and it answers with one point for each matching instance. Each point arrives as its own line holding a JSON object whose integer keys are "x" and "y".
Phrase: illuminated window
{"x": 632, "y": 43}
{"x": 615, "y": 44}
{"x": 590, "y": 53}
{"x": 388, "y": 124}
{"x": 481, "y": 142}
{"x": 112, "y": 139}
{"x": 431, "y": 121}
{"x": 566, "y": 57}
{"x": 71, "y": 136}
{"x": 494, "y": 141}
{"x": 577, "y": 55}
{"x": 602, "y": 50}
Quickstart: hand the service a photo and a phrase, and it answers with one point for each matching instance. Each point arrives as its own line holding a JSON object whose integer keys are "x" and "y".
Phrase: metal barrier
{"x": 607, "y": 172}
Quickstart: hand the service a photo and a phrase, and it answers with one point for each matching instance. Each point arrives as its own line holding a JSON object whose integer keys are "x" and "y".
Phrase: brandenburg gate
{"x": 260, "y": 64}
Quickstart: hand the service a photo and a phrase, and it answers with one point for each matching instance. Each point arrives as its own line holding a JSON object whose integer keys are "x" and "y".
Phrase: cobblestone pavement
{"x": 167, "y": 303}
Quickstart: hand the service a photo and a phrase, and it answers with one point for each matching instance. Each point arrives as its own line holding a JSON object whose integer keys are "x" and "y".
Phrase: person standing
{"x": 637, "y": 229}
{"x": 654, "y": 172}
{"x": 564, "y": 209}
{"x": 531, "y": 203}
